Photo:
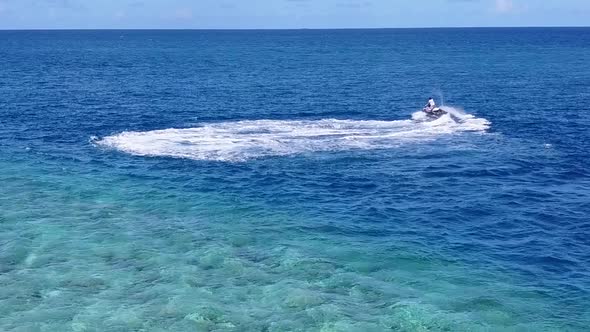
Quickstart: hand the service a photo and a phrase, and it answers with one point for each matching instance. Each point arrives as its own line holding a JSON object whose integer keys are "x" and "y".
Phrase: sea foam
{"x": 243, "y": 140}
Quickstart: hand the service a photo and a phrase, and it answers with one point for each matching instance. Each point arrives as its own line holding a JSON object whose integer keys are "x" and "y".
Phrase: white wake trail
{"x": 243, "y": 140}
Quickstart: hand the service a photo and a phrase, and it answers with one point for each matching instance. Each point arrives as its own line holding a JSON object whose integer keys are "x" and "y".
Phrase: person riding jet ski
{"x": 432, "y": 110}
{"x": 430, "y": 106}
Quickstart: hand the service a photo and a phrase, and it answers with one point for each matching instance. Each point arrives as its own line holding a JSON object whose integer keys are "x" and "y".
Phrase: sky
{"x": 288, "y": 14}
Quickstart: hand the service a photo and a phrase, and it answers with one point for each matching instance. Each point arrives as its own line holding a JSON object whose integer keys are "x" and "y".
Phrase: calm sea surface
{"x": 275, "y": 180}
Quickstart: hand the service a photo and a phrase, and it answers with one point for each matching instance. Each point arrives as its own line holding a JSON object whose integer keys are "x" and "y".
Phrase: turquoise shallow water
{"x": 114, "y": 254}
{"x": 273, "y": 181}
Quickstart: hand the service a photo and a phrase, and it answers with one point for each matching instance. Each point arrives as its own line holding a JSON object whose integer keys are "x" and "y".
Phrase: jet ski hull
{"x": 435, "y": 113}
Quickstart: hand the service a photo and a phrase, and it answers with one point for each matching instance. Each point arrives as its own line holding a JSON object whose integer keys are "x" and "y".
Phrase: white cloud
{"x": 52, "y": 13}
{"x": 120, "y": 14}
{"x": 504, "y": 6}
{"x": 183, "y": 13}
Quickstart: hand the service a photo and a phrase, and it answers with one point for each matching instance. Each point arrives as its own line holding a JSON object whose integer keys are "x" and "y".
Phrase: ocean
{"x": 279, "y": 180}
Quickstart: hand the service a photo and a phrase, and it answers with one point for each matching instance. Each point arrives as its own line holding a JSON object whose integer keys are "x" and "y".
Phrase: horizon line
{"x": 291, "y": 29}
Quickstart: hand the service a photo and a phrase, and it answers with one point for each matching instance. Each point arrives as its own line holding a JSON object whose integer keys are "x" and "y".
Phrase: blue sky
{"x": 254, "y": 14}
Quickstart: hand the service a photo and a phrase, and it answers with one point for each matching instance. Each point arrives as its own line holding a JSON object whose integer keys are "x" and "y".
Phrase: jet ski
{"x": 434, "y": 113}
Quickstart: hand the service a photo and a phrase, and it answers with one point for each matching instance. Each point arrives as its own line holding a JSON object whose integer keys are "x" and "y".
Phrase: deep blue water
{"x": 274, "y": 180}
